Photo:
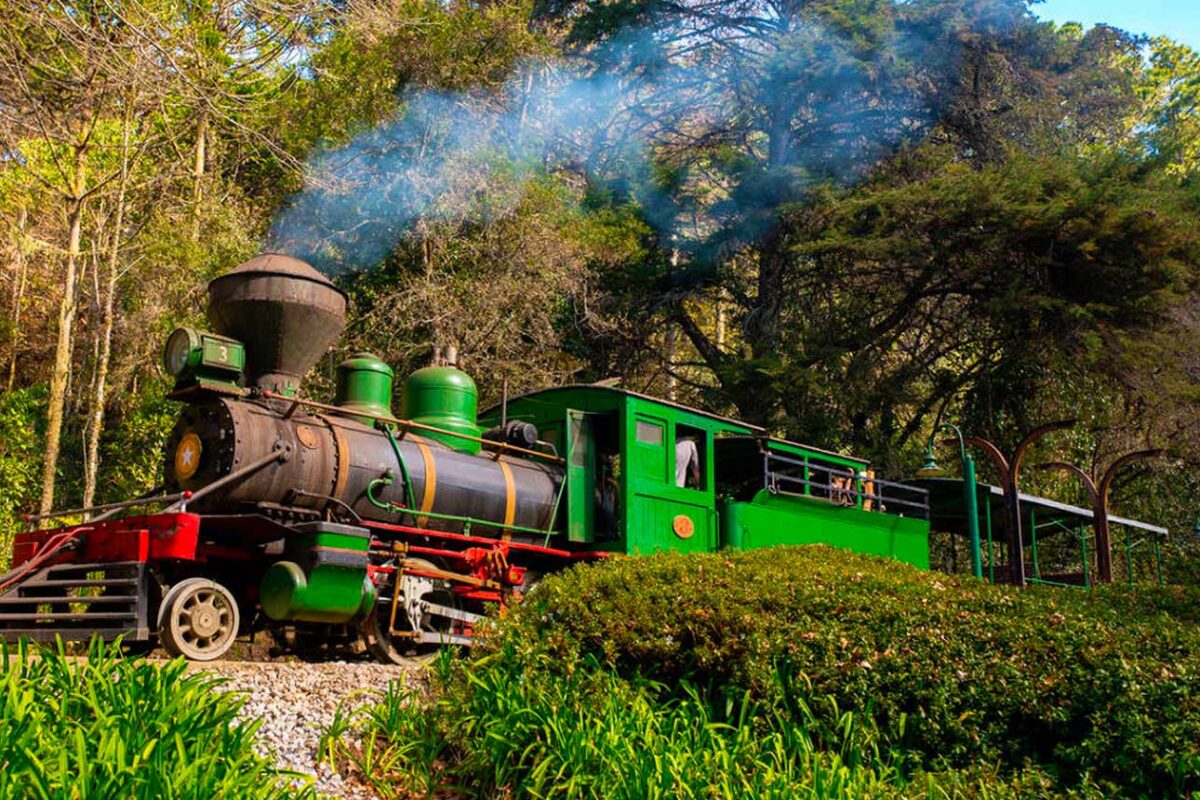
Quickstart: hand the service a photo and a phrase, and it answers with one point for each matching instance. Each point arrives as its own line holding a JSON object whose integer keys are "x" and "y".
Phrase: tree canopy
{"x": 846, "y": 220}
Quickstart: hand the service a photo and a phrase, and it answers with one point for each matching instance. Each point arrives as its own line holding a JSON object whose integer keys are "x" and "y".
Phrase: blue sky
{"x": 1179, "y": 19}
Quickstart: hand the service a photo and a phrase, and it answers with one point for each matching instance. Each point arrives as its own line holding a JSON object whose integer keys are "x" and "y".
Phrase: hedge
{"x": 1085, "y": 686}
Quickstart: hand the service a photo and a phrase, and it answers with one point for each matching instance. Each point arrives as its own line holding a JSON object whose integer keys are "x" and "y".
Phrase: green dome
{"x": 368, "y": 362}
{"x": 364, "y": 385}
{"x": 446, "y": 398}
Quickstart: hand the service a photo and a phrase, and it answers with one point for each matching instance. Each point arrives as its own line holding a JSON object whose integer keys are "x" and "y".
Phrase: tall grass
{"x": 111, "y": 727}
{"x": 491, "y": 731}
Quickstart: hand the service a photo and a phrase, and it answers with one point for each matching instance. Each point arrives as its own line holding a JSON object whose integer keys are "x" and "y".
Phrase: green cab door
{"x": 581, "y": 477}
{"x": 662, "y": 514}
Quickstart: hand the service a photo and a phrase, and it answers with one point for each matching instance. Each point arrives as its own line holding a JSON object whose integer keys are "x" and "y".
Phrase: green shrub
{"x": 108, "y": 727}
{"x": 801, "y": 672}
{"x": 1181, "y": 559}
{"x": 1084, "y": 685}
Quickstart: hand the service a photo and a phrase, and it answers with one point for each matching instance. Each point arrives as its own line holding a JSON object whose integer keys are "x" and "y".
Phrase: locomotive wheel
{"x": 198, "y": 619}
{"x": 413, "y": 589}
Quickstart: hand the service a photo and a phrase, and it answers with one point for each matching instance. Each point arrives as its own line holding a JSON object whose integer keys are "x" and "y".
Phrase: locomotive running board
{"x": 429, "y": 637}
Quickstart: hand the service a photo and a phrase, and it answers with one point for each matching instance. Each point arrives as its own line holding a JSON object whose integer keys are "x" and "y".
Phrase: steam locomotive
{"x": 343, "y": 523}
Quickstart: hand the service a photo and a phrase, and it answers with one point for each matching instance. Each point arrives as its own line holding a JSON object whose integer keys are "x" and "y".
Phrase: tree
{"x": 1171, "y": 87}
{"x": 60, "y": 72}
{"x": 935, "y": 284}
{"x": 810, "y": 102}
{"x": 747, "y": 108}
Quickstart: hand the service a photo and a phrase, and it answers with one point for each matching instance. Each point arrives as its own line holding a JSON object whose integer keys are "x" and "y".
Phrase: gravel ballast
{"x": 297, "y": 700}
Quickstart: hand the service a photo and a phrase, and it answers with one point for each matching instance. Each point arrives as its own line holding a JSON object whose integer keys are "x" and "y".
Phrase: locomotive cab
{"x": 690, "y": 481}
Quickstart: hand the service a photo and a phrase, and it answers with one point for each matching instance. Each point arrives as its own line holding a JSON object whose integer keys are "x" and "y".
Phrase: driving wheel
{"x": 411, "y": 618}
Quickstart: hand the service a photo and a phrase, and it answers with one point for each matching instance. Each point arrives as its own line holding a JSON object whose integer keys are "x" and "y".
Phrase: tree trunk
{"x": 671, "y": 343}
{"x": 199, "y": 166}
{"x": 100, "y": 393}
{"x": 66, "y": 324}
{"x": 81, "y": 400}
{"x": 719, "y": 333}
{"x": 762, "y": 326}
{"x": 672, "y": 383}
{"x": 19, "y": 297}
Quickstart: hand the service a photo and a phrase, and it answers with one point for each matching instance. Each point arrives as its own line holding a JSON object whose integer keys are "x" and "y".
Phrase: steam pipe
{"x": 108, "y": 508}
{"x": 407, "y": 423}
{"x": 281, "y": 452}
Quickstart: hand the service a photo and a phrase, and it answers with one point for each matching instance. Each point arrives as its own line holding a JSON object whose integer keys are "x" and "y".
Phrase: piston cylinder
{"x": 323, "y": 577}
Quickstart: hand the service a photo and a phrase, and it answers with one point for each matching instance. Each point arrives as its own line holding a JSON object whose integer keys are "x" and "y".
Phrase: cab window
{"x": 690, "y": 459}
{"x": 649, "y": 448}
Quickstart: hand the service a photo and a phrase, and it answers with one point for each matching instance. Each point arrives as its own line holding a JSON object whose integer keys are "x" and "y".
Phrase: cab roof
{"x": 727, "y": 425}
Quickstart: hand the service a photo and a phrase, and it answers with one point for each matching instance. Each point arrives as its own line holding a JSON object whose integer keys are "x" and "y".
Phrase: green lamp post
{"x": 970, "y": 501}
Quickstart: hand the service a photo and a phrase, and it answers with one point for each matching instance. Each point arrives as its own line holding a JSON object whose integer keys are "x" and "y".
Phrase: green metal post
{"x": 1083, "y": 541}
{"x": 972, "y": 508}
{"x": 970, "y": 501}
{"x": 1037, "y": 573}
{"x": 1158, "y": 560}
{"x": 991, "y": 551}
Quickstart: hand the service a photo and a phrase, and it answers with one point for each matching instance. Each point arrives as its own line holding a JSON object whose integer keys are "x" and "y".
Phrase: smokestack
{"x": 284, "y": 311}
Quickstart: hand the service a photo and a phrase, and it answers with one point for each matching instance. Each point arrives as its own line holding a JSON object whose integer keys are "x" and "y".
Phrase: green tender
{"x": 770, "y": 520}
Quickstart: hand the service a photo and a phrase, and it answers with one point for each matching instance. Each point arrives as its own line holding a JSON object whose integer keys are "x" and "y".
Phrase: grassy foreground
{"x": 110, "y": 727}
{"x": 801, "y": 673}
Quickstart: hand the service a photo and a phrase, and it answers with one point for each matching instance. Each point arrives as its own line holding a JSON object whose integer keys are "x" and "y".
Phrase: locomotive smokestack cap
{"x": 284, "y": 311}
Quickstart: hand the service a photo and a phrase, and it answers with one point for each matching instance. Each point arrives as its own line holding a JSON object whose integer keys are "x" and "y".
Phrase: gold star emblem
{"x": 187, "y": 456}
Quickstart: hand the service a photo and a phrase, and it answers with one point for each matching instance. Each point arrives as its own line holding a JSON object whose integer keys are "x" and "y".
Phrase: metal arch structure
{"x": 1010, "y": 470}
{"x": 1099, "y": 492}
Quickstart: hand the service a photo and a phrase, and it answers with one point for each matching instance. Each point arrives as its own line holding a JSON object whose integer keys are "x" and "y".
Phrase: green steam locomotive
{"x": 343, "y": 523}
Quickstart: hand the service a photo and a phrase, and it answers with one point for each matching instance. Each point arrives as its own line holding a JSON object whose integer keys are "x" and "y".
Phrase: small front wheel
{"x": 198, "y": 619}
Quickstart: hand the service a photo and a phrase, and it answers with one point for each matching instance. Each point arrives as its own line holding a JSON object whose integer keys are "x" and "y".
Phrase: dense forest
{"x": 846, "y": 220}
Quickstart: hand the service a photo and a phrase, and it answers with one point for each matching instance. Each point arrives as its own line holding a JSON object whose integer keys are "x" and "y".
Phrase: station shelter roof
{"x": 948, "y": 513}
